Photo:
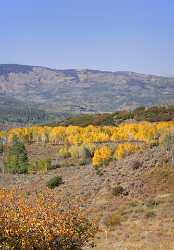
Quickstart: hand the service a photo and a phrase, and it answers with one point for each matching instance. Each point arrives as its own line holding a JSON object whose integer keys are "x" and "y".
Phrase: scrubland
{"x": 94, "y": 187}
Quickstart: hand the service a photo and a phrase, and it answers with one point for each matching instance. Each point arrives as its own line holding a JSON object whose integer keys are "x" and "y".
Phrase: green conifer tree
{"x": 16, "y": 160}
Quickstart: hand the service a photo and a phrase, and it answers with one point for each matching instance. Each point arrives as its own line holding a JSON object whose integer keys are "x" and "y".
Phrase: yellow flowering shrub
{"x": 125, "y": 149}
{"x": 101, "y": 156}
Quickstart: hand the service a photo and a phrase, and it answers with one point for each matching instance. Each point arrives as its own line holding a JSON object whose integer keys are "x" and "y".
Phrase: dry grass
{"x": 113, "y": 219}
{"x": 141, "y": 222}
{"x": 162, "y": 246}
{"x": 159, "y": 180}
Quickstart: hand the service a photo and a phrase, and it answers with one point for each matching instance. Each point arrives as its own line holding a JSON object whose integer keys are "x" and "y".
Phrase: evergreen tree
{"x": 1, "y": 147}
{"x": 17, "y": 160}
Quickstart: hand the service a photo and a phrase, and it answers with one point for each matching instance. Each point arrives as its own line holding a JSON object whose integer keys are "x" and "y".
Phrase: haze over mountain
{"x": 77, "y": 91}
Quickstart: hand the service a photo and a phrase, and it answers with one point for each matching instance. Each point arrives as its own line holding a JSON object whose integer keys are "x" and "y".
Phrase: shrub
{"x": 39, "y": 221}
{"x": 118, "y": 190}
{"x": 40, "y": 166}
{"x": 64, "y": 152}
{"x": 136, "y": 164}
{"x": 91, "y": 147}
{"x": 125, "y": 149}
{"x": 16, "y": 160}
{"x": 99, "y": 172}
{"x": 54, "y": 182}
{"x": 83, "y": 162}
{"x": 80, "y": 152}
{"x": 166, "y": 141}
{"x": 48, "y": 163}
{"x": 84, "y": 152}
{"x": 113, "y": 220}
{"x": 74, "y": 152}
{"x": 102, "y": 156}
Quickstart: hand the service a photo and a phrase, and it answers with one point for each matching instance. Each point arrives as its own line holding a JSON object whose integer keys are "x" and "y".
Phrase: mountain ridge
{"x": 18, "y": 65}
{"x": 83, "y": 90}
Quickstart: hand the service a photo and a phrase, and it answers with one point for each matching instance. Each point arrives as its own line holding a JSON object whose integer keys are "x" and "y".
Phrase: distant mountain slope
{"x": 83, "y": 90}
{"x": 15, "y": 111}
{"x": 149, "y": 114}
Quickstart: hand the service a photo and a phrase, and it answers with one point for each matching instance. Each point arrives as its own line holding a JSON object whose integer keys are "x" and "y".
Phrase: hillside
{"x": 75, "y": 91}
{"x": 150, "y": 114}
{"x": 120, "y": 177}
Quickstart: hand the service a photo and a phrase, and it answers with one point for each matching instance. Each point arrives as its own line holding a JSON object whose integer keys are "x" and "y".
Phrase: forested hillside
{"x": 151, "y": 114}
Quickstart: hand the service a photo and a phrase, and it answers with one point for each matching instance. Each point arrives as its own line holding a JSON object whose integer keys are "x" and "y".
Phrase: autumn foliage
{"x": 40, "y": 222}
{"x": 125, "y": 149}
{"x": 83, "y": 143}
{"x": 101, "y": 156}
{"x": 143, "y": 131}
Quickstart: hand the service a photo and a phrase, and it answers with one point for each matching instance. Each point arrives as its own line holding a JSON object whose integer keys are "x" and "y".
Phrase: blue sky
{"x": 135, "y": 35}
